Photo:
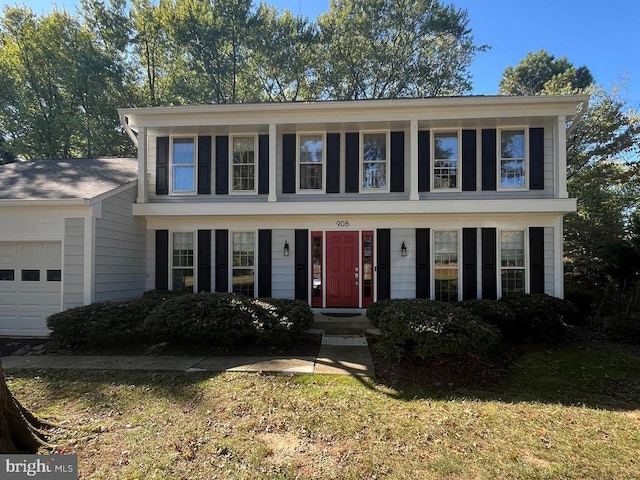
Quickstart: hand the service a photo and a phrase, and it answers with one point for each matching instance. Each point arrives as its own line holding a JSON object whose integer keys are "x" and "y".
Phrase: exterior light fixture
{"x": 286, "y": 249}
{"x": 403, "y": 250}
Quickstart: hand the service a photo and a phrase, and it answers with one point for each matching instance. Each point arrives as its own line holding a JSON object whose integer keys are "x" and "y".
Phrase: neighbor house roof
{"x": 65, "y": 179}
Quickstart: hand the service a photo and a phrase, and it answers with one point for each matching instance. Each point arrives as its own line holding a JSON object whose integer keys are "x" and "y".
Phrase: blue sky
{"x": 601, "y": 35}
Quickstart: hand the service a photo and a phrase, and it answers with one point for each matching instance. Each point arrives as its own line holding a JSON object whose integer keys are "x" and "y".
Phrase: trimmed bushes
{"x": 623, "y": 328}
{"x": 539, "y": 317}
{"x": 493, "y": 312}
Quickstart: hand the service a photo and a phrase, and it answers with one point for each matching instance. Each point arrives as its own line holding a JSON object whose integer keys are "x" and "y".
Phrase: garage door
{"x": 30, "y": 286}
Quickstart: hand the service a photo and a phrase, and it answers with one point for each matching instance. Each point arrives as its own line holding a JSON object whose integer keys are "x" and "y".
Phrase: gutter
{"x": 72, "y": 202}
{"x": 578, "y": 117}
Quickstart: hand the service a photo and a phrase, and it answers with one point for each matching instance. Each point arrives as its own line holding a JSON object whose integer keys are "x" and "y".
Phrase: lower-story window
{"x": 512, "y": 262}
{"x": 182, "y": 262}
{"x": 445, "y": 269}
{"x": 243, "y": 276}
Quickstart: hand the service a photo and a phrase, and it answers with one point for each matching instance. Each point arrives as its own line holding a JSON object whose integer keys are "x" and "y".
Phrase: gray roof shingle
{"x": 62, "y": 179}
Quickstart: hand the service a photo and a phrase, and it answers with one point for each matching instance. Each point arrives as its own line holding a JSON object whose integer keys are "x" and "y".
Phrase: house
{"x": 336, "y": 203}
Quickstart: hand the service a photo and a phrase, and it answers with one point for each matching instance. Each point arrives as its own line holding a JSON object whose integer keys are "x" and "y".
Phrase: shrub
{"x": 585, "y": 301}
{"x": 493, "y": 312}
{"x": 374, "y": 311}
{"x": 623, "y": 328}
{"x": 287, "y": 320}
{"x": 431, "y": 329}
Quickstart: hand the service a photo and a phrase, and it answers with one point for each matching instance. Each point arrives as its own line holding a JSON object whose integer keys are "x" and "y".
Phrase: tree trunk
{"x": 18, "y": 427}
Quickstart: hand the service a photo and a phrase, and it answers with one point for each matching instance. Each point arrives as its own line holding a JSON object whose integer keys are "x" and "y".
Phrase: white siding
{"x": 403, "y": 269}
{"x": 549, "y": 271}
{"x": 119, "y": 249}
{"x": 73, "y": 263}
{"x": 282, "y": 268}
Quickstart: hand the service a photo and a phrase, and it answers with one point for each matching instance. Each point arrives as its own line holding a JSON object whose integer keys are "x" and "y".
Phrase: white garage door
{"x": 30, "y": 286}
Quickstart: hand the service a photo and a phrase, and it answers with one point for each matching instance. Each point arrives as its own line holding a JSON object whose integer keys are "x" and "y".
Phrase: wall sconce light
{"x": 286, "y": 249}
{"x": 403, "y": 250}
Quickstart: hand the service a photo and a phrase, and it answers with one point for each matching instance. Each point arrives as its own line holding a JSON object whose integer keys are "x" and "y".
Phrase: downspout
{"x": 578, "y": 117}
{"x": 132, "y": 135}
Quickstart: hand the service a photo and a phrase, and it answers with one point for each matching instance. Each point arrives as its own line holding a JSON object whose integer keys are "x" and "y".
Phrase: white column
{"x": 142, "y": 165}
{"x": 272, "y": 164}
{"x": 561, "y": 149}
{"x": 413, "y": 168}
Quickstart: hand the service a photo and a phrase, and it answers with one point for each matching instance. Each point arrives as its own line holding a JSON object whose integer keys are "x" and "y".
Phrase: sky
{"x": 600, "y": 35}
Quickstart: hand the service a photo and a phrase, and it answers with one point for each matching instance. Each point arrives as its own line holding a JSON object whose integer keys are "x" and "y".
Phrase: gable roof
{"x": 65, "y": 179}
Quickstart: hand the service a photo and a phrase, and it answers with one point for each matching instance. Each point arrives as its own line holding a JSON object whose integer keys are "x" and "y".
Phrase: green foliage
{"x": 375, "y": 310}
{"x": 623, "y": 328}
{"x": 287, "y": 321}
{"x": 492, "y": 312}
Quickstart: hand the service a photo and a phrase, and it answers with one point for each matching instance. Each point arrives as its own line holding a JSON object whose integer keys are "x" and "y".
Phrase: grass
{"x": 560, "y": 414}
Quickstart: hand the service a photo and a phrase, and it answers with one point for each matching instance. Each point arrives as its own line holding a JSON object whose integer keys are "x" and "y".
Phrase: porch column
{"x": 561, "y": 149}
{"x": 413, "y": 168}
{"x": 272, "y": 163}
{"x": 142, "y": 165}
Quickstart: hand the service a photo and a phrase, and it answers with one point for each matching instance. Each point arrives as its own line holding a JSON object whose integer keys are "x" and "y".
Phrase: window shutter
{"x": 204, "y": 260}
{"x": 489, "y": 279}
{"x": 162, "y": 260}
{"x": 289, "y": 163}
{"x": 333, "y": 163}
{"x": 469, "y": 263}
{"x": 536, "y": 158}
{"x": 383, "y": 260}
{"x": 423, "y": 267}
{"x": 204, "y": 165}
{"x": 222, "y": 261}
{"x": 536, "y": 259}
{"x": 264, "y": 263}
{"x": 489, "y": 152}
{"x": 352, "y": 162}
{"x": 302, "y": 265}
{"x": 263, "y": 165}
{"x": 424, "y": 161}
{"x": 162, "y": 165}
{"x": 397, "y": 162}
{"x": 469, "y": 161}
{"x": 222, "y": 165}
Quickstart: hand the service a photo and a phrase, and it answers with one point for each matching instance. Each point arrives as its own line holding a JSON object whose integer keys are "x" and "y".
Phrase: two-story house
{"x": 336, "y": 203}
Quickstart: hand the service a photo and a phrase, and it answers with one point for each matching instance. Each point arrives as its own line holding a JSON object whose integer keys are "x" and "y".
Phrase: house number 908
{"x": 342, "y": 223}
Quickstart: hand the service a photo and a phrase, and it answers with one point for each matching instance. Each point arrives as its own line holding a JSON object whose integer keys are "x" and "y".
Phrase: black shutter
{"x": 383, "y": 266}
{"x": 423, "y": 266}
{"x": 489, "y": 151}
{"x": 397, "y": 161}
{"x": 469, "y": 263}
{"x": 264, "y": 263}
{"x": 204, "y": 260}
{"x": 424, "y": 163}
{"x": 536, "y": 259}
{"x": 162, "y": 165}
{"x": 302, "y": 265}
{"x": 222, "y": 165}
{"x": 263, "y": 164}
{"x": 204, "y": 165}
{"x": 289, "y": 163}
{"x": 468, "y": 160}
{"x": 489, "y": 279}
{"x": 333, "y": 163}
{"x": 222, "y": 260}
{"x": 536, "y": 158}
{"x": 162, "y": 260}
{"x": 352, "y": 162}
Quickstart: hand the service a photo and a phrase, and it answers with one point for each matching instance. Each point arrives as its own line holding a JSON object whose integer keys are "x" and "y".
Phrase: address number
{"x": 342, "y": 223}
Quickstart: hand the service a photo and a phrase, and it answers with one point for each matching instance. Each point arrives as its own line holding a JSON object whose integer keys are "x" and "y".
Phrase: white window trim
{"x": 525, "y": 239}
{"x": 182, "y": 193}
{"x": 194, "y": 235}
{"x": 256, "y": 161}
{"x": 387, "y": 161}
{"x": 432, "y": 265}
{"x": 255, "y": 259}
{"x": 432, "y": 158}
{"x": 324, "y": 164}
{"x": 499, "y": 187}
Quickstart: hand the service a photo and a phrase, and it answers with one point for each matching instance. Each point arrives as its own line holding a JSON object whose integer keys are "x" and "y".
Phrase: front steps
{"x": 342, "y": 325}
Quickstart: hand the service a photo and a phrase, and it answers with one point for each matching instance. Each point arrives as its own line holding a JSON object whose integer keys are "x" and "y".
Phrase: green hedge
{"x": 496, "y": 313}
{"x": 623, "y": 328}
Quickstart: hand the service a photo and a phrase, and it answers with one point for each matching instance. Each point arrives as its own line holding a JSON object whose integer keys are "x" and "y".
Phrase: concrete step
{"x": 344, "y": 340}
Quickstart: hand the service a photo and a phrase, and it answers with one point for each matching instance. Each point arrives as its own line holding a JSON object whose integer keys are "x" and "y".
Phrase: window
{"x": 182, "y": 264}
{"x": 243, "y": 277}
{"x": 311, "y": 161}
{"x": 445, "y": 257}
{"x": 374, "y": 161}
{"x": 7, "y": 275}
{"x": 512, "y": 262}
{"x": 512, "y": 158}
{"x": 54, "y": 276}
{"x": 183, "y": 165}
{"x": 30, "y": 275}
{"x": 243, "y": 159}
{"x": 446, "y": 162}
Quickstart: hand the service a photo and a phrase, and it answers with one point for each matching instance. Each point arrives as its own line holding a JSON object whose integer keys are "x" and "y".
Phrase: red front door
{"x": 343, "y": 276}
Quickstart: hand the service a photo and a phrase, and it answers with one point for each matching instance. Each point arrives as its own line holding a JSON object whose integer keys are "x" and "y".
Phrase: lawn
{"x": 558, "y": 414}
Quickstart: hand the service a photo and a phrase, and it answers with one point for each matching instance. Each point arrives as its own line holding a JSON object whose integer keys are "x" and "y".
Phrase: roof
{"x": 65, "y": 179}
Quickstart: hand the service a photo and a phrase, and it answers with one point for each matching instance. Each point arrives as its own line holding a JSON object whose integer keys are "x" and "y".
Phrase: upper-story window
{"x": 243, "y": 160}
{"x": 311, "y": 158}
{"x": 513, "y": 160}
{"x": 183, "y": 165}
{"x": 375, "y": 156}
{"x": 446, "y": 160}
